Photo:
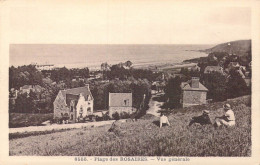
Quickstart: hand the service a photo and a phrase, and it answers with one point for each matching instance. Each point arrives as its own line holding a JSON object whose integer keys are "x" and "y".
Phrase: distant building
{"x": 210, "y": 69}
{"x": 120, "y": 102}
{"x": 44, "y": 66}
{"x": 195, "y": 68}
{"x": 74, "y": 103}
{"x": 193, "y": 93}
{"x": 28, "y": 88}
{"x": 233, "y": 65}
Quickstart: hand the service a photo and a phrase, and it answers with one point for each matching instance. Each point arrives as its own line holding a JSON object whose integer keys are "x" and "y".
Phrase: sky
{"x": 127, "y": 22}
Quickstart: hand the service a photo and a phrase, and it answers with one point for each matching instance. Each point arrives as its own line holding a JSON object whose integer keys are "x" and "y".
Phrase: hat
{"x": 227, "y": 106}
{"x": 206, "y": 111}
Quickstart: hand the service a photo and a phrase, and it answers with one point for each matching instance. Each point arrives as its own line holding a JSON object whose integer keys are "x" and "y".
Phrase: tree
{"x": 26, "y": 103}
{"x": 236, "y": 85}
{"x": 128, "y": 63}
{"x": 216, "y": 84}
{"x": 173, "y": 93}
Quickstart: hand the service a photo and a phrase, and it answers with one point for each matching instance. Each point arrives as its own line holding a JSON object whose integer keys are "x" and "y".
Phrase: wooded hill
{"x": 240, "y": 48}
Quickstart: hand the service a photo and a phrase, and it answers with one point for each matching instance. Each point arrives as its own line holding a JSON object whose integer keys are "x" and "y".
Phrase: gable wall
{"x": 194, "y": 98}
{"x": 59, "y": 106}
{"x": 85, "y": 105}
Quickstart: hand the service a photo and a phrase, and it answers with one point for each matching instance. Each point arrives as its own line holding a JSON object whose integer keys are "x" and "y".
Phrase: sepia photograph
{"x": 128, "y": 79}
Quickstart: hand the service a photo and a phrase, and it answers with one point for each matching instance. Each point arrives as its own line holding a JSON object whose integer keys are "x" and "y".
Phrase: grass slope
{"x": 145, "y": 138}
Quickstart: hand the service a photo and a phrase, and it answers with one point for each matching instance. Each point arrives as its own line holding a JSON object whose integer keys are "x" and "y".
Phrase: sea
{"x": 93, "y": 55}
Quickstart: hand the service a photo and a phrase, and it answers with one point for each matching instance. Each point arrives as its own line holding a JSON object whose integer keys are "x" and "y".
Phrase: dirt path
{"x": 58, "y": 127}
{"x": 154, "y": 106}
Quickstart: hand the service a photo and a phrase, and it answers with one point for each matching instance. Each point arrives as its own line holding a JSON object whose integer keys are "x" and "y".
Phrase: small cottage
{"x": 76, "y": 103}
{"x": 193, "y": 93}
{"x": 120, "y": 103}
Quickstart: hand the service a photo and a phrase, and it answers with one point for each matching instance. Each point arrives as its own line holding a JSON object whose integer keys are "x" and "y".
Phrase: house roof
{"x": 118, "y": 99}
{"x": 186, "y": 86}
{"x": 76, "y": 92}
{"x": 70, "y": 97}
{"x": 209, "y": 69}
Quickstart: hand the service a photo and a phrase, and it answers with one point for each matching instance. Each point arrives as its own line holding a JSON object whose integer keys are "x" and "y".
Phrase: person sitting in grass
{"x": 202, "y": 119}
{"x": 228, "y": 119}
{"x": 164, "y": 120}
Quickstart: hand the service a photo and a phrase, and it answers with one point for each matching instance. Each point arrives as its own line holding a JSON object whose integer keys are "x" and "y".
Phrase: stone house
{"x": 120, "y": 102}
{"x": 193, "y": 93}
{"x": 75, "y": 103}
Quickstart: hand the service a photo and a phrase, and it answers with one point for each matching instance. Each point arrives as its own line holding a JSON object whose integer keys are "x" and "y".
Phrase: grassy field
{"x": 145, "y": 138}
{"x": 27, "y": 119}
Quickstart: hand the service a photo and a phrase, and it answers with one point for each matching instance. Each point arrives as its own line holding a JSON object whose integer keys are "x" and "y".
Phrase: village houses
{"x": 28, "y": 88}
{"x": 120, "y": 103}
{"x": 210, "y": 69}
{"x": 75, "y": 103}
{"x": 193, "y": 93}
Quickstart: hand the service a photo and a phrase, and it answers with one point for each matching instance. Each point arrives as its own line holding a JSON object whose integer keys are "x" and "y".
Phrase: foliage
{"x": 25, "y": 103}
{"x": 237, "y": 85}
{"x": 28, "y": 119}
{"x": 24, "y": 75}
{"x": 216, "y": 84}
{"x": 66, "y": 75}
{"x": 116, "y": 116}
{"x": 173, "y": 93}
{"x": 189, "y": 73}
{"x": 120, "y": 72}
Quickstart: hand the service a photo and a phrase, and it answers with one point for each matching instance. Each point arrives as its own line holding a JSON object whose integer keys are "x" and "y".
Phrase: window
{"x": 71, "y": 117}
{"x": 81, "y": 109}
{"x": 61, "y": 114}
{"x": 126, "y": 102}
{"x": 71, "y": 108}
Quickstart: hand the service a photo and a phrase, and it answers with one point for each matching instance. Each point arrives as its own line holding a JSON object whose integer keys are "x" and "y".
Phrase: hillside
{"x": 145, "y": 138}
{"x": 240, "y": 47}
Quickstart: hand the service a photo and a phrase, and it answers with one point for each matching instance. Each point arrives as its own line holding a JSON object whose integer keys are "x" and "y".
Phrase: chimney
{"x": 195, "y": 82}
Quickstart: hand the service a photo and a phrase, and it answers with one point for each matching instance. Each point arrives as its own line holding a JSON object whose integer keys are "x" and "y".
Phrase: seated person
{"x": 202, "y": 119}
{"x": 164, "y": 120}
{"x": 228, "y": 119}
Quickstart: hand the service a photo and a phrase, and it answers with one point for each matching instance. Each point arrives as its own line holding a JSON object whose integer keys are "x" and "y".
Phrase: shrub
{"x": 124, "y": 115}
{"x": 116, "y": 116}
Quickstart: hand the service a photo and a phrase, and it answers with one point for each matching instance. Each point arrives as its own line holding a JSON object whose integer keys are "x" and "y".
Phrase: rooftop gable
{"x": 187, "y": 86}
{"x": 76, "y": 92}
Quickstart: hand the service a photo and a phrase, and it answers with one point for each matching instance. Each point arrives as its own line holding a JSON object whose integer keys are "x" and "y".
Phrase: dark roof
{"x": 75, "y": 92}
{"x": 118, "y": 99}
{"x": 70, "y": 97}
{"x": 209, "y": 69}
{"x": 186, "y": 86}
